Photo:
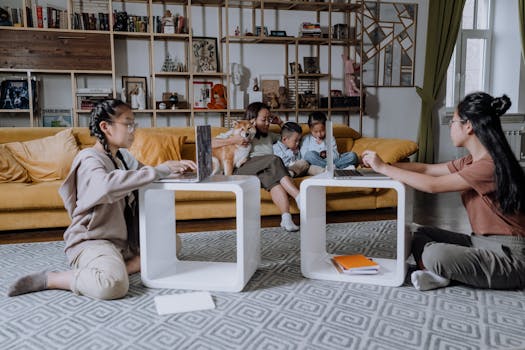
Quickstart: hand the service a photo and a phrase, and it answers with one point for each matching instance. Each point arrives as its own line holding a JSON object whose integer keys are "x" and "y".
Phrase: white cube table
{"x": 160, "y": 267}
{"x": 315, "y": 261}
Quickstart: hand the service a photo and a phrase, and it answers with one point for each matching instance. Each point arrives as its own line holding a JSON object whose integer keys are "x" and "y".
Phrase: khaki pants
{"x": 100, "y": 272}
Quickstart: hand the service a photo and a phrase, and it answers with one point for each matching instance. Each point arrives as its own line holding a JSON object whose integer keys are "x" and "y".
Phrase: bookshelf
{"x": 103, "y": 42}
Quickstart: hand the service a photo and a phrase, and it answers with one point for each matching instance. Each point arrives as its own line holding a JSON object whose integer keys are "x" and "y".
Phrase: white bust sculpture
{"x": 236, "y": 74}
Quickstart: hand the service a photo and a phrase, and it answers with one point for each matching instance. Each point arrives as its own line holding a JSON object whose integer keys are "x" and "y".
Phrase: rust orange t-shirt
{"x": 480, "y": 201}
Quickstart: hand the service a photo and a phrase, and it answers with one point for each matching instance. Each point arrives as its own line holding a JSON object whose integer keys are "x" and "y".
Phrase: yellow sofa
{"x": 32, "y": 205}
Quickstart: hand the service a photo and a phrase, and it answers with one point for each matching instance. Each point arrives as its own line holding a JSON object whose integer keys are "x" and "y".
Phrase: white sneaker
{"x": 350, "y": 167}
{"x": 289, "y": 226}
{"x": 287, "y": 223}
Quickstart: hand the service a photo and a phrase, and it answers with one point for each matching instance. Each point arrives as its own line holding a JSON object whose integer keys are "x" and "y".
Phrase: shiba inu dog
{"x": 229, "y": 157}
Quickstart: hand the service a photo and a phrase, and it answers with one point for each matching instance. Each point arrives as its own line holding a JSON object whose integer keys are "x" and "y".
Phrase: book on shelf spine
{"x": 39, "y": 17}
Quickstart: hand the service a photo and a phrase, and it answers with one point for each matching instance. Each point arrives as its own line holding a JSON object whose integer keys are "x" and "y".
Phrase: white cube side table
{"x": 315, "y": 261}
{"x": 160, "y": 267}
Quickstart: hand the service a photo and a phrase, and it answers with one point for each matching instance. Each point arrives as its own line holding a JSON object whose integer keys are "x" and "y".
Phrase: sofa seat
{"x": 38, "y": 205}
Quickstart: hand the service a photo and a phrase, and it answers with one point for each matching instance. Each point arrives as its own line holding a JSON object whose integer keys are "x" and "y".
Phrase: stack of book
{"x": 87, "y": 98}
{"x": 356, "y": 264}
{"x": 308, "y": 29}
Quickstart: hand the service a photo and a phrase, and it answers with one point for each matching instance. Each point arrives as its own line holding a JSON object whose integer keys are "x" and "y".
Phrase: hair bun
{"x": 500, "y": 105}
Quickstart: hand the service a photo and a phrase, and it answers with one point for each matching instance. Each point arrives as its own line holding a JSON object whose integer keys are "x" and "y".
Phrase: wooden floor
{"x": 443, "y": 210}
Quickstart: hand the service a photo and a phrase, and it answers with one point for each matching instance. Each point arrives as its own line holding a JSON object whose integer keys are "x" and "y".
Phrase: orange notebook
{"x": 356, "y": 263}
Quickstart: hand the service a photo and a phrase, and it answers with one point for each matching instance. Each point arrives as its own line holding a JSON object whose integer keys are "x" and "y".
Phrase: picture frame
{"x": 278, "y": 33}
{"x": 311, "y": 65}
{"x": 57, "y": 118}
{"x": 14, "y": 94}
{"x": 269, "y": 85}
{"x": 201, "y": 94}
{"x": 132, "y": 86}
{"x": 258, "y": 31}
{"x": 205, "y": 55}
{"x": 292, "y": 68}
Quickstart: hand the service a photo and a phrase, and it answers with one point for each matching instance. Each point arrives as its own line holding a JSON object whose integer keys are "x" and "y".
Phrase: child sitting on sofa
{"x": 100, "y": 196}
{"x": 287, "y": 148}
{"x": 313, "y": 148}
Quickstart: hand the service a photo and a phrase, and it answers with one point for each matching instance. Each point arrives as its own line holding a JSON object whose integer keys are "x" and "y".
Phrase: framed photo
{"x": 201, "y": 94}
{"x": 14, "y": 94}
{"x": 57, "y": 118}
{"x": 205, "y": 56}
{"x": 270, "y": 86}
{"x": 136, "y": 89}
{"x": 258, "y": 31}
{"x": 311, "y": 65}
{"x": 292, "y": 68}
{"x": 278, "y": 33}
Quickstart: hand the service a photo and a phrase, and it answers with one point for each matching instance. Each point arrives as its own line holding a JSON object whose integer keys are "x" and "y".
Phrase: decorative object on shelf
{"x": 254, "y": 95}
{"x": 121, "y": 21}
{"x": 4, "y": 18}
{"x": 292, "y": 68}
{"x": 311, "y": 65}
{"x": 237, "y": 31}
{"x": 174, "y": 100}
{"x": 14, "y": 94}
{"x": 237, "y": 95}
{"x": 168, "y": 23}
{"x": 258, "y": 31}
{"x": 57, "y": 118}
{"x": 278, "y": 33}
{"x": 340, "y": 31}
{"x": 255, "y": 85}
{"x": 389, "y": 41}
{"x": 218, "y": 97}
{"x": 270, "y": 88}
{"x": 273, "y": 103}
{"x": 135, "y": 90}
{"x": 169, "y": 65}
{"x": 284, "y": 96}
{"x": 201, "y": 94}
{"x": 205, "y": 57}
{"x": 308, "y": 100}
{"x": 162, "y": 105}
{"x": 351, "y": 69}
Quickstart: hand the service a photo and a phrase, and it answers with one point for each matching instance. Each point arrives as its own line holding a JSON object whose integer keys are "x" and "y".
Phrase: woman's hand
{"x": 181, "y": 166}
{"x": 275, "y": 119}
{"x": 372, "y": 160}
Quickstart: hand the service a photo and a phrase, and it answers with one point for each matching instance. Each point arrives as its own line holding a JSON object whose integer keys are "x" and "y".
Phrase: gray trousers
{"x": 269, "y": 169}
{"x": 494, "y": 261}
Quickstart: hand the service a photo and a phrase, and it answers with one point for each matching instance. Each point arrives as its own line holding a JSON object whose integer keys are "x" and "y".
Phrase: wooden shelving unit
{"x": 80, "y": 56}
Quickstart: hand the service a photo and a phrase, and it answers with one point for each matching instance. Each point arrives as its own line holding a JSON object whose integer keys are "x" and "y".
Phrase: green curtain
{"x": 444, "y": 20}
{"x": 521, "y": 15}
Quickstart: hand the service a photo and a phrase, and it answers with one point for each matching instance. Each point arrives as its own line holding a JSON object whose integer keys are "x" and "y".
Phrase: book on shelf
{"x": 87, "y": 98}
{"x": 356, "y": 264}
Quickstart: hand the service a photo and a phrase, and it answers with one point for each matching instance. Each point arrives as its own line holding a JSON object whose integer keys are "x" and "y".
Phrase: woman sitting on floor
{"x": 493, "y": 192}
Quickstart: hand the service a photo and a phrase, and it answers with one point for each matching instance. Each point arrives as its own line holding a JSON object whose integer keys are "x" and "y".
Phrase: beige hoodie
{"x": 94, "y": 196}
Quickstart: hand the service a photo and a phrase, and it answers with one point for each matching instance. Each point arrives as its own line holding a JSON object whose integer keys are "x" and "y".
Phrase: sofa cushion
{"x": 10, "y": 169}
{"x": 48, "y": 158}
{"x": 154, "y": 148}
{"x": 26, "y": 196}
{"x": 390, "y": 150}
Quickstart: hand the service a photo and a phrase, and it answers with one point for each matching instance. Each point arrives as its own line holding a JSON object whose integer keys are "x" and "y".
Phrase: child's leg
{"x": 299, "y": 168}
{"x": 346, "y": 159}
{"x": 314, "y": 158}
{"x": 100, "y": 272}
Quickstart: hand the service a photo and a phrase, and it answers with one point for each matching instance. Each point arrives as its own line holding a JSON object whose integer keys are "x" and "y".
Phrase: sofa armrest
{"x": 390, "y": 150}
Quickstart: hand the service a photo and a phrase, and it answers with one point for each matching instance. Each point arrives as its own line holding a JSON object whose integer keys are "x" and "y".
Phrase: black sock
{"x": 30, "y": 283}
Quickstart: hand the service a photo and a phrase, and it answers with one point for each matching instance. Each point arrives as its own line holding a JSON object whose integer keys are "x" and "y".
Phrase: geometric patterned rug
{"x": 278, "y": 309}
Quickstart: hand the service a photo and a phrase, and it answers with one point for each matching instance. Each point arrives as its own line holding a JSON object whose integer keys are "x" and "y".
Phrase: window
{"x": 469, "y": 67}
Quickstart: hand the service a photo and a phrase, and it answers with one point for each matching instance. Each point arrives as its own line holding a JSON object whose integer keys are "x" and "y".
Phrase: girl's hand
{"x": 372, "y": 160}
{"x": 181, "y": 166}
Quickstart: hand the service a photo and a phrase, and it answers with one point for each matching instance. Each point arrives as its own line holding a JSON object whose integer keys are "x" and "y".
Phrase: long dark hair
{"x": 106, "y": 110}
{"x": 484, "y": 112}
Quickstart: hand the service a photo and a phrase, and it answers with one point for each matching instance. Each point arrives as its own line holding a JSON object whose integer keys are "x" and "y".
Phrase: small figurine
{"x": 237, "y": 31}
{"x": 273, "y": 101}
{"x": 168, "y": 24}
